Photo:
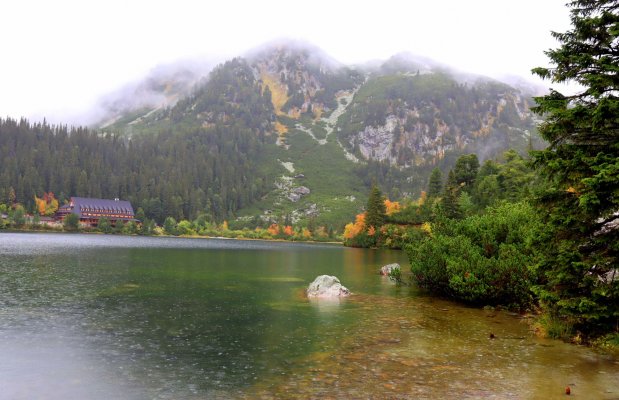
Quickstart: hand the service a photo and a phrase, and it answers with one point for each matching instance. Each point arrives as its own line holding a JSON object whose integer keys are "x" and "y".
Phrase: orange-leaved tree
{"x": 353, "y": 229}
{"x": 273, "y": 229}
{"x": 391, "y": 207}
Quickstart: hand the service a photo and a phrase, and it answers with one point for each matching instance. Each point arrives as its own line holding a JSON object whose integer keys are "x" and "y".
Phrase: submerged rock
{"x": 387, "y": 269}
{"x": 326, "y": 286}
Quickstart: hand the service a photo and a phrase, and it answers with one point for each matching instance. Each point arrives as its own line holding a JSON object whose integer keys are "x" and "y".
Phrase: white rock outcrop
{"x": 326, "y": 286}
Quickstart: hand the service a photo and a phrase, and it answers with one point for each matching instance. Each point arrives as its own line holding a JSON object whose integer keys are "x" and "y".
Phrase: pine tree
{"x": 376, "y": 211}
{"x": 581, "y": 166}
{"x": 450, "y": 198}
{"x": 465, "y": 171}
{"x": 436, "y": 183}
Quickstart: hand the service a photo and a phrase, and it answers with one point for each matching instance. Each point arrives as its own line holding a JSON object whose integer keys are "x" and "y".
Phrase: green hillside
{"x": 283, "y": 135}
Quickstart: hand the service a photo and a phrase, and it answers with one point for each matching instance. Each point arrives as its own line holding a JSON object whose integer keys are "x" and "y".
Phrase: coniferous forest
{"x": 179, "y": 169}
{"x": 167, "y": 174}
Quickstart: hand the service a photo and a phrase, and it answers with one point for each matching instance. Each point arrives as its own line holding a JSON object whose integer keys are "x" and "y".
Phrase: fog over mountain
{"x": 64, "y": 57}
{"x": 162, "y": 87}
{"x": 165, "y": 84}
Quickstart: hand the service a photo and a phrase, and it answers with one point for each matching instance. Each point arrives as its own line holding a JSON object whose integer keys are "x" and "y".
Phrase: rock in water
{"x": 326, "y": 286}
{"x": 387, "y": 269}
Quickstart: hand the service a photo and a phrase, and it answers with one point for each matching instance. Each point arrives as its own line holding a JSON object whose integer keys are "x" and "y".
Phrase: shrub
{"x": 169, "y": 226}
{"x": 130, "y": 228}
{"x": 104, "y": 225}
{"x": 482, "y": 259}
{"x": 185, "y": 227}
{"x": 71, "y": 222}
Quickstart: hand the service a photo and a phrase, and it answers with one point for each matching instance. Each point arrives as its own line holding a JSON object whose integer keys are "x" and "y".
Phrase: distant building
{"x": 90, "y": 211}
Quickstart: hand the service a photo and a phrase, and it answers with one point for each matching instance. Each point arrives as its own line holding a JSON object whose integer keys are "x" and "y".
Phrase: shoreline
{"x": 14, "y": 230}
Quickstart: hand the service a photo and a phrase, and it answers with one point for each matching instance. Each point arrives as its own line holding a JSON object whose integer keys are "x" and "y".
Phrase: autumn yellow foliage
{"x": 279, "y": 91}
{"x": 47, "y": 205}
{"x": 280, "y": 128}
{"x": 422, "y": 198}
{"x": 391, "y": 207}
{"x": 353, "y": 229}
{"x": 40, "y": 205}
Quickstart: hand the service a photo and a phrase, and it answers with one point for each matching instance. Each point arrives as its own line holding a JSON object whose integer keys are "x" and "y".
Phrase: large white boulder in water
{"x": 326, "y": 286}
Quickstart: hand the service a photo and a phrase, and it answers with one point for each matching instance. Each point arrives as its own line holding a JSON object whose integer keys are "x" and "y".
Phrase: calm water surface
{"x": 100, "y": 317}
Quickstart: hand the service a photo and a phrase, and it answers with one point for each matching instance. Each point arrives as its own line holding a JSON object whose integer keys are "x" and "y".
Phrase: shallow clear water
{"x": 99, "y": 317}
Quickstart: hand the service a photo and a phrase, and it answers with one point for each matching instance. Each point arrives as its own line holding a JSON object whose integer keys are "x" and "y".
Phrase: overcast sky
{"x": 59, "y": 57}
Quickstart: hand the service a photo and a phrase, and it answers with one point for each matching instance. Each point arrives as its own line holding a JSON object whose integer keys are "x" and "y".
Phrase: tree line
{"x": 197, "y": 157}
{"x": 177, "y": 174}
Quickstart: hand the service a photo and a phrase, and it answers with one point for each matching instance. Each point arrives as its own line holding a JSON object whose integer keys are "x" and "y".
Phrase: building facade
{"x": 90, "y": 210}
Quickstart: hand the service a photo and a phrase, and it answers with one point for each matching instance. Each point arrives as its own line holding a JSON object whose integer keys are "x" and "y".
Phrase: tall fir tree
{"x": 435, "y": 183}
{"x": 465, "y": 171}
{"x": 580, "y": 268}
{"x": 376, "y": 212}
{"x": 450, "y": 198}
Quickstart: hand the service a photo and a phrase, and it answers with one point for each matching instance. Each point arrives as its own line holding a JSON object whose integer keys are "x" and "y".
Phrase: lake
{"x": 100, "y": 317}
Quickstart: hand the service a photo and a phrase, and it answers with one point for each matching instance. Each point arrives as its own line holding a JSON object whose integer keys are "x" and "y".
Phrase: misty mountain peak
{"x": 408, "y": 63}
{"x": 294, "y": 52}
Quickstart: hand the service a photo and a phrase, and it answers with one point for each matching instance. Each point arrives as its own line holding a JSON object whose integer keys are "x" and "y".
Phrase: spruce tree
{"x": 581, "y": 167}
{"x": 451, "y": 195}
{"x": 376, "y": 211}
{"x": 436, "y": 183}
{"x": 465, "y": 171}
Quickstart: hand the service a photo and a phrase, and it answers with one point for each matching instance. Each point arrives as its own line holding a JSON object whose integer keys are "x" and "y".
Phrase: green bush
{"x": 71, "y": 222}
{"x": 482, "y": 259}
{"x": 148, "y": 227}
{"x": 130, "y": 228}
{"x": 185, "y": 227}
{"x": 169, "y": 226}
{"x": 104, "y": 225}
{"x": 363, "y": 239}
{"x": 119, "y": 226}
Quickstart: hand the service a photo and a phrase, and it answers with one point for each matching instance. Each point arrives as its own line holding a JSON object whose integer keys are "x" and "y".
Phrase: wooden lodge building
{"x": 90, "y": 211}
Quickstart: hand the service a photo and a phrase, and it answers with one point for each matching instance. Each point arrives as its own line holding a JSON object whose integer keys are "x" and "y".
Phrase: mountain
{"x": 288, "y": 133}
{"x": 418, "y": 117}
{"x": 162, "y": 87}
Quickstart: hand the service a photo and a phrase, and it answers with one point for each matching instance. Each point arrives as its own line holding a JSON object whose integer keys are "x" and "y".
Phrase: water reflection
{"x": 326, "y": 305}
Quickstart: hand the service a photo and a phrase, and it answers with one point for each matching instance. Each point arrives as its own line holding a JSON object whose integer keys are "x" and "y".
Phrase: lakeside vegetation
{"x": 541, "y": 234}
{"x": 16, "y": 218}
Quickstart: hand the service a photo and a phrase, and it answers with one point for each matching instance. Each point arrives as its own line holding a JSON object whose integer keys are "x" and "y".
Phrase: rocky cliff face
{"x": 302, "y": 79}
{"x": 417, "y": 119}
